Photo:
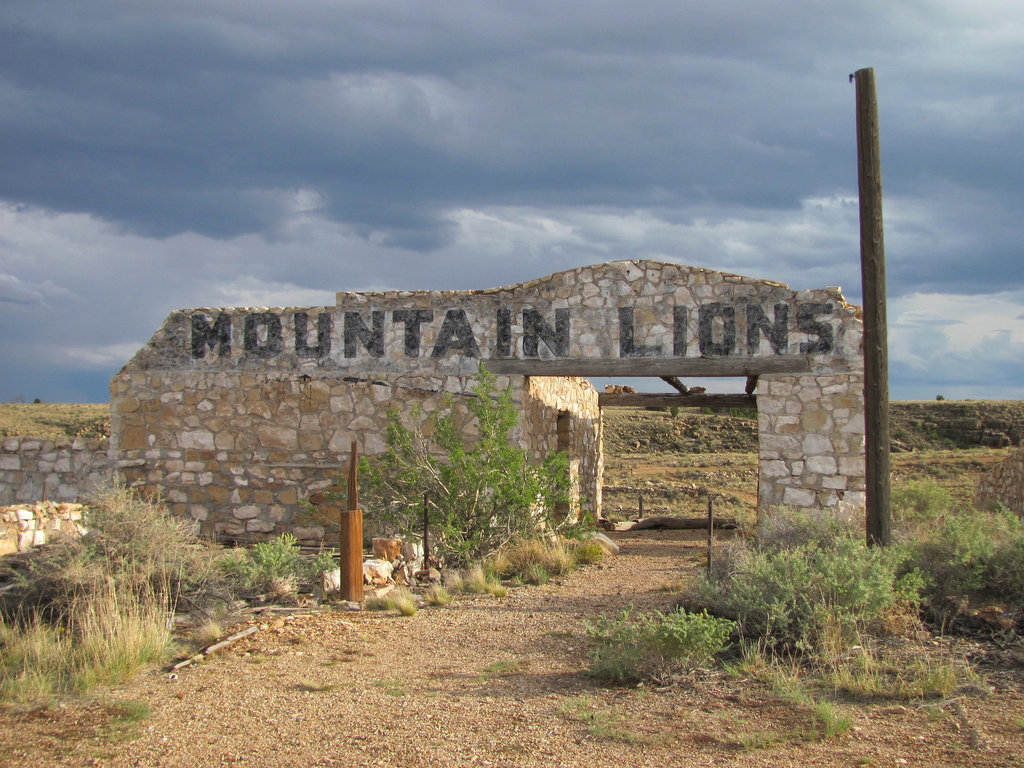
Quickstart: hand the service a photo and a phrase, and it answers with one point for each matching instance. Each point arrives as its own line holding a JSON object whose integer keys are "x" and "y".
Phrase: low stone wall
{"x": 1004, "y": 484}
{"x": 32, "y": 525}
{"x": 36, "y": 468}
{"x": 239, "y": 454}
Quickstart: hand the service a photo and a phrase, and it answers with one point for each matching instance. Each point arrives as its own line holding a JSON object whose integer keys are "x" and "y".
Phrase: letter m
{"x": 216, "y": 336}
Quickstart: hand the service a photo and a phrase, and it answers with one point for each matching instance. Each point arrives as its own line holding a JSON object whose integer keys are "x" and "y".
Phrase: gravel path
{"x": 488, "y": 682}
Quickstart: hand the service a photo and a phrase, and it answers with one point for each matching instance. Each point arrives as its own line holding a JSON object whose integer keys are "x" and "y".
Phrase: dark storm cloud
{"x": 159, "y": 155}
{"x": 169, "y": 118}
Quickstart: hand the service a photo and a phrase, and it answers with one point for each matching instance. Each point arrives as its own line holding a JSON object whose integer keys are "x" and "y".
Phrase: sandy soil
{"x": 492, "y": 682}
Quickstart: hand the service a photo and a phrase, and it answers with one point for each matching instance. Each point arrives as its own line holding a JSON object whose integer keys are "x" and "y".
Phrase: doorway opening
{"x": 663, "y": 452}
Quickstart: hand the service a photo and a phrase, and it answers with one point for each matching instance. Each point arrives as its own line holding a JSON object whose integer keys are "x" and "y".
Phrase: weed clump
{"x": 275, "y": 567}
{"x": 400, "y": 600}
{"x": 972, "y": 554}
{"x": 93, "y": 610}
{"x": 534, "y": 560}
{"x": 132, "y": 545}
{"x": 436, "y": 594}
{"x": 654, "y": 646}
{"x": 805, "y": 578}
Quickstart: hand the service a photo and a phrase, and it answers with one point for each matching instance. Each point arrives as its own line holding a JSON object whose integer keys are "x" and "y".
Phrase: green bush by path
{"x": 654, "y": 646}
{"x": 275, "y": 566}
{"x": 806, "y": 577}
{"x": 973, "y": 554}
{"x": 483, "y": 490}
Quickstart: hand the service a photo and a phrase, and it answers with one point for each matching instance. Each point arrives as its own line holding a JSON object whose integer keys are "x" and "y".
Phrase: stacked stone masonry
{"x": 36, "y": 468}
{"x": 23, "y": 526}
{"x": 1003, "y": 484}
{"x": 236, "y": 415}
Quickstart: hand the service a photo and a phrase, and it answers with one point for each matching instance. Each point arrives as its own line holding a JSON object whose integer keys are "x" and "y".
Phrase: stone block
{"x": 246, "y": 512}
{"x": 609, "y": 546}
{"x": 312, "y": 532}
{"x": 277, "y": 437}
{"x": 823, "y": 465}
{"x": 196, "y": 439}
{"x": 798, "y": 497}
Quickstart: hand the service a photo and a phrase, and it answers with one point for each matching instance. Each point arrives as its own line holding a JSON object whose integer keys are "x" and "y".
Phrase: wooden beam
{"x": 876, "y": 359}
{"x": 675, "y": 383}
{"x": 681, "y": 401}
{"x": 651, "y": 366}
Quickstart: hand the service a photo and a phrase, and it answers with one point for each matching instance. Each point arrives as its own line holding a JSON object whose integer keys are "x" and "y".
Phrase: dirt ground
{"x": 499, "y": 682}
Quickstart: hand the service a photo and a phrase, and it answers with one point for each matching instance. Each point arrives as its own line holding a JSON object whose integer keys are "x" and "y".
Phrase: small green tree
{"x": 482, "y": 490}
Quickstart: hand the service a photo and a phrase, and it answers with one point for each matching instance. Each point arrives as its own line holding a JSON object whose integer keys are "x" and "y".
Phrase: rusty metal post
{"x": 353, "y": 486}
{"x": 711, "y": 529}
{"x": 350, "y": 546}
{"x": 426, "y": 534}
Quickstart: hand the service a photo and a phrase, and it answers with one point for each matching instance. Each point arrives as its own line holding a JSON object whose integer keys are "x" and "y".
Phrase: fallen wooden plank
{"x": 229, "y": 640}
{"x": 667, "y": 400}
{"x": 214, "y": 648}
{"x": 668, "y": 522}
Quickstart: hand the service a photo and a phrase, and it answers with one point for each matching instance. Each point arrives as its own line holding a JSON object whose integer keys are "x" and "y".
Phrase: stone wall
{"x": 1003, "y": 484}
{"x": 811, "y": 442}
{"x": 36, "y": 468}
{"x": 546, "y": 398}
{"x": 23, "y": 526}
{"x": 239, "y": 453}
{"x": 235, "y": 415}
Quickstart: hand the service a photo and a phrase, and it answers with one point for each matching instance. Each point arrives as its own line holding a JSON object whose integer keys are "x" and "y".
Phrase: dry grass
{"x": 109, "y": 637}
{"x": 400, "y": 600}
{"x": 477, "y": 581}
{"x": 54, "y": 420}
{"x": 437, "y": 595}
{"x": 533, "y": 561}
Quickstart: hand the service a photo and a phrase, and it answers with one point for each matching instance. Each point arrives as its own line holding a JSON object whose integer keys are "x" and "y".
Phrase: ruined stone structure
{"x": 23, "y": 526}
{"x": 35, "y": 468}
{"x": 236, "y": 415}
{"x": 1003, "y": 484}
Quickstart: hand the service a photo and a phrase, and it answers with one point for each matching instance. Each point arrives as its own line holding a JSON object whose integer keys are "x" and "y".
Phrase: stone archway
{"x": 235, "y": 414}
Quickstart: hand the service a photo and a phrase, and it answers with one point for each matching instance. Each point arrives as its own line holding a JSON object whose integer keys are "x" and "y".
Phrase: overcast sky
{"x": 171, "y": 154}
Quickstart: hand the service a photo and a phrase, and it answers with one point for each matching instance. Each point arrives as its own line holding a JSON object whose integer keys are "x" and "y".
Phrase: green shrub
{"x": 973, "y": 554}
{"x": 807, "y": 576}
{"x": 920, "y": 501}
{"x": 483, "y": 490}
{"x": 270, "y": 566}
{"x": 654, "y": 646}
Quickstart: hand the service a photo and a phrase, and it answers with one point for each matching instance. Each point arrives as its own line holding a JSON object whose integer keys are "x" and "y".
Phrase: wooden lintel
{"x": 651, "y": 366}
{"x": 681, "y": 401}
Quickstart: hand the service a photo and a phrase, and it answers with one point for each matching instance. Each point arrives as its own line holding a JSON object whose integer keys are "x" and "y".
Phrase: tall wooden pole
{"x": 876, "y": 356}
